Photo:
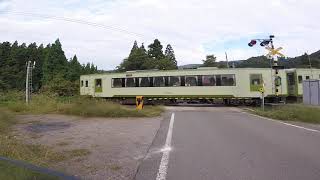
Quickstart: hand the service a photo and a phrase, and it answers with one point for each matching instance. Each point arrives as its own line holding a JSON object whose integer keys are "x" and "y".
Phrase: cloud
{"x": 194, "y": 28}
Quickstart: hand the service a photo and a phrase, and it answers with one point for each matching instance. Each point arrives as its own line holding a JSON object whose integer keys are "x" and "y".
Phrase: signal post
{"x": 273, "y": 56}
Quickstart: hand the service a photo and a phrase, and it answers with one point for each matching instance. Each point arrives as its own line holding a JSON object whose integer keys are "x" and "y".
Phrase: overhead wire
{"x": 79, "y": 21}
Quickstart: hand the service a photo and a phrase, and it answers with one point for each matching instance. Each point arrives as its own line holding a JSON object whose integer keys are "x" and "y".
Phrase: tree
{"x": 155, "y": 50}
{"x": 153, "y": 58}
{"x": 74, "y": 71}
{"x": 55, "y": 62}
{"x": 137, "y": 60}
{"x": 210, "y": 61}
{"x": 169, "y": 54}
{"x": 166, "y": 64}
{"x": 143, "y": 48}
{"x": 134, "y": 47}
{"x": 86, "y": 68}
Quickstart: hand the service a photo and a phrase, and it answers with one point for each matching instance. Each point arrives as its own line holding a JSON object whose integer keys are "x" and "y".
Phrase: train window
{"x": 81, "y": 83}
{"x": 166, "y": 81}
{"x": 98, "y": 85}
{"x": 208, "y": 80}
{"x": 136, "y": 80}
{"x": 300, "y": 79}
{"x": 256, "y": 79}
{"x": 151, "y": 81}
{"x": 183, "y": 80}
{"x": 307, "y": 77}
{"x": 191, "y": 81}
{"x": 117, "y": 82}
{"x": 218, "y": 80}
{"x": 130, "y": 82}
{"x": 174, "y": 81}
{"x": 123, "y": 82}
{"x": 87, "y": 83}
{"x": 228, "y": 80}
{"x": 159, "y": 82}
{"x": 144, "y": 82}
{"x": 199, "y": 80}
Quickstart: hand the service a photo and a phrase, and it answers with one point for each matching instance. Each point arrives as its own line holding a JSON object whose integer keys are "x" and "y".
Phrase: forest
{"x": 52, "y": 72}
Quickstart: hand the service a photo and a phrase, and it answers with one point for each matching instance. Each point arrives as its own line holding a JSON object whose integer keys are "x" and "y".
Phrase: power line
{"x": 79, "y": 21}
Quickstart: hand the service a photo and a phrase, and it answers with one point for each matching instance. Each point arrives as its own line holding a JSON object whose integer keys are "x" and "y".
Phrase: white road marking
{"x": 288, "y": 124}
{"x": 162, "y": 173}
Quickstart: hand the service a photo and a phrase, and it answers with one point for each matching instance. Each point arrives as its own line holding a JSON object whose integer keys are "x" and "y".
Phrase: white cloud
{"x": 188, "y": 25}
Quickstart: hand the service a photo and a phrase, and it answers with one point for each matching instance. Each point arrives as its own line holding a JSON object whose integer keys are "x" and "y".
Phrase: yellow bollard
{"x": 139, "y": 102}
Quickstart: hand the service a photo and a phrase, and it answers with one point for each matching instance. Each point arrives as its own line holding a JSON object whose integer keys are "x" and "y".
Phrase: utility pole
{"x": 227, "y": 60}
{"x": 310, "y": 65}
{"x": 30, "y": 67}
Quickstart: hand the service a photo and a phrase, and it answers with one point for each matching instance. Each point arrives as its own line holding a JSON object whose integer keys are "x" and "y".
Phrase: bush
{"x": 61, "y": 87}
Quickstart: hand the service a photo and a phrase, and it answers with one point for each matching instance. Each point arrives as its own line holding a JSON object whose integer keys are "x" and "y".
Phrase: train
{"x": 204, "y": 84}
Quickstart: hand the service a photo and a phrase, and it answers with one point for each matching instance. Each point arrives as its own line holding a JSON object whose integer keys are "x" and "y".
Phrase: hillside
{"x": 295, "y": 62}
{"x": 263, "y": 62}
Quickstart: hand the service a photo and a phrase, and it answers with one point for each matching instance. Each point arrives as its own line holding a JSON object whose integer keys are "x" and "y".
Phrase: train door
{"x": 292, "y": 84}
{"x": 86, "y": 87}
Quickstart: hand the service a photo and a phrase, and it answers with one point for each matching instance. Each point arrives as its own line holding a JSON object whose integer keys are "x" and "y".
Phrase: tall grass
{"x": 80, "y": 106}
{"x": 292, "y": 112}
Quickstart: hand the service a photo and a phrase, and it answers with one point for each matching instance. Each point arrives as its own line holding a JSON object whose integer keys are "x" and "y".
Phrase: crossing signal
{"x": 252, "y": 43}
{"x": 264, "y": 43}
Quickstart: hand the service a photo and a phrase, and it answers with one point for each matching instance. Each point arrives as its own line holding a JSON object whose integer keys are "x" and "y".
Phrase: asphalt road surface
{"x": 226, "y": 144}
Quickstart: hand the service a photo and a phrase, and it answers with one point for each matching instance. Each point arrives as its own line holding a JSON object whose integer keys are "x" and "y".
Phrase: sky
{"x": 103, "y": 31}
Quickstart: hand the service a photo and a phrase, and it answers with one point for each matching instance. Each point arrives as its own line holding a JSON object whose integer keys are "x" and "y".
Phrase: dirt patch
{"x": 99, "y": 148}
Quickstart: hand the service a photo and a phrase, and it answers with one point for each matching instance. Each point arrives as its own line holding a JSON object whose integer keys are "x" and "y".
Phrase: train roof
{"x": 192, "y": 70}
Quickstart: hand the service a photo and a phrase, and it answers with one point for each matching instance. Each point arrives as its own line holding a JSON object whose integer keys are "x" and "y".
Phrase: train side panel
{"x": 243, "y": 84}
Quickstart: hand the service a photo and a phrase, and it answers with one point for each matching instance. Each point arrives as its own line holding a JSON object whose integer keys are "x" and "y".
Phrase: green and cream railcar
{"x": 300, "y": 76}
{"x": 195, "y": 83}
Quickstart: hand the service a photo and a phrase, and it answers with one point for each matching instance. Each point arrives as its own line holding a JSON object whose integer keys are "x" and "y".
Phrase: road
{"x": 227, "y": 144}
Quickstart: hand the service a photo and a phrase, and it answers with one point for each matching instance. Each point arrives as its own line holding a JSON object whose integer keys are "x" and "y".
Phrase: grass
{"x": 15, "y": 149}
{"x": 292, "y": 112}
{"x": 79, "y": 106}
{"x": 63, "y": 143}
{"x": 78, "y": 153}
{"x": 9, "y": 171}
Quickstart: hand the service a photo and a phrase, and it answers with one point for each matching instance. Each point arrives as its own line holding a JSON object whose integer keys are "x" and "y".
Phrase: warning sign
{"x": 139, "y": 102}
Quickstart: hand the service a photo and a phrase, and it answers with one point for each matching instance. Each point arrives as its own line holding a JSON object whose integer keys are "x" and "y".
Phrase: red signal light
{"x": 252, "y": 43}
